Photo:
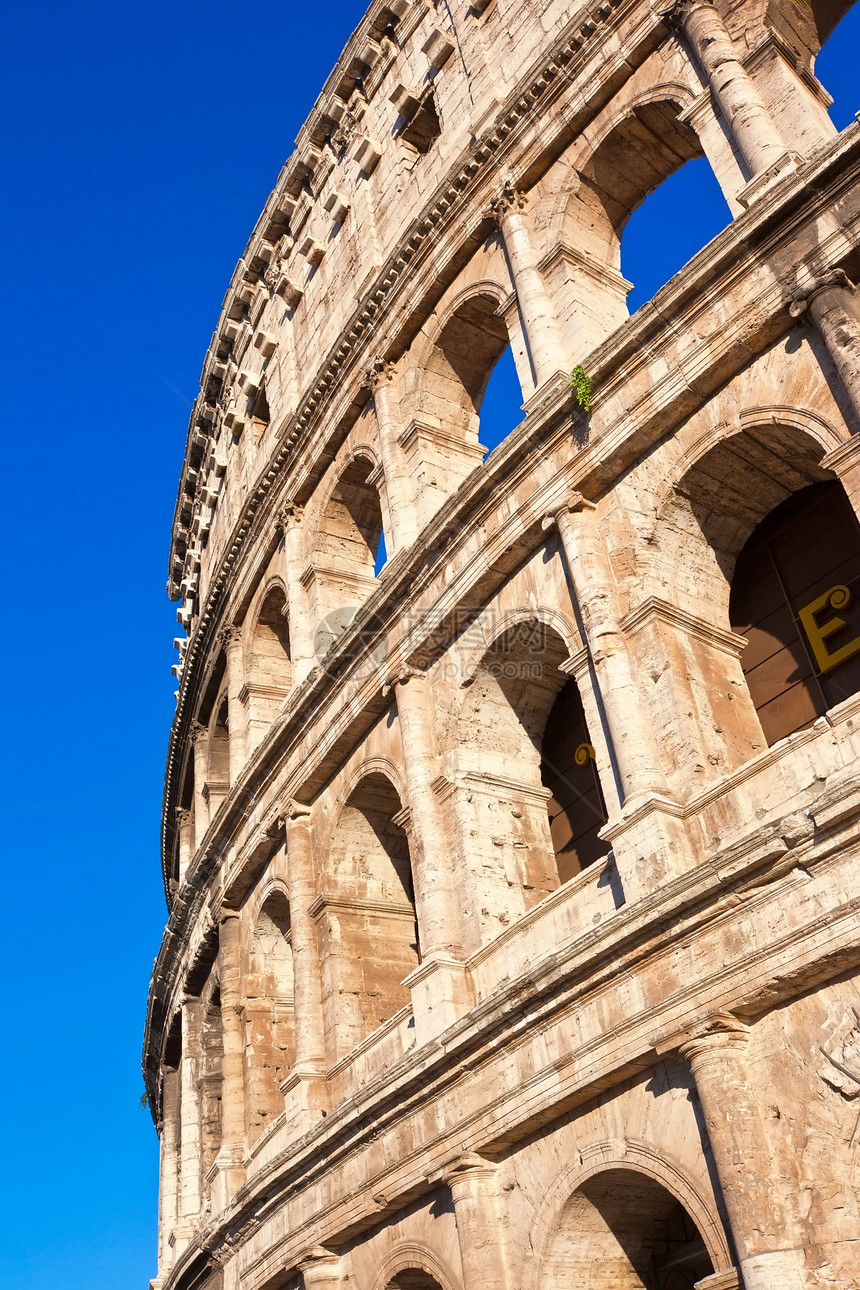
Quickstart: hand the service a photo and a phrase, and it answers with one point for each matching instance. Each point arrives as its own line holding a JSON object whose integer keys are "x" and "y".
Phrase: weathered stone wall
{"x": 399, "y": 1034}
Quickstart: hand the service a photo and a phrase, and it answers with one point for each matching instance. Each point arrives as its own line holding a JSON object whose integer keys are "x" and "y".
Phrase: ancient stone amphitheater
{"x": 511, "y": 811}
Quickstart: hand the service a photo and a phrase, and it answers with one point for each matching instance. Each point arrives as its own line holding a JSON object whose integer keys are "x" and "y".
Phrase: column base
{"x": 441, "y": 995}
{"x": 306, "y": 1100}
{"x": 728, "y": 1280}
{"x": 775, "y": 1270}
{"x": 765, "y": 180}
{"x": 225, "y": 1177}
{"x": 650, "y": 843}
{"x": 557, "y": 383}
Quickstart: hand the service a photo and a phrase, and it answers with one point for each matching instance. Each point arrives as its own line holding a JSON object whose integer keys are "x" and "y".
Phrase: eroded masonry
{"x": 511, "y": 811}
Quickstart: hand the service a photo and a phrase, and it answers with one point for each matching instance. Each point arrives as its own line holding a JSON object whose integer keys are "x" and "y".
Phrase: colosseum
{"x": 511, "y": 812}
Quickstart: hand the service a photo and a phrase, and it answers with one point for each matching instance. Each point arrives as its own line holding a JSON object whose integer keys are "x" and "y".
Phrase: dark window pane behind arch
{"x": 569, "y": 771}
{"x": 803, "y": 655}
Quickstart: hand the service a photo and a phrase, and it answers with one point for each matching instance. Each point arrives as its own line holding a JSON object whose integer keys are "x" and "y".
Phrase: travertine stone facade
{"x": 511, "y": 810}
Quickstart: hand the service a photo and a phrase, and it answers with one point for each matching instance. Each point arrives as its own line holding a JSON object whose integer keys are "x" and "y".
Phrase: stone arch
{"x": 569, "y": 1224}
{"x": 729, "y": 479}
{"x": 453, "y": 365}
{"x": 507, "y": 786}
{"x": 346, "y": 543}
{"x": 636, "y": 149}
{"x": 411, "y": 1265}
{"x": 268, "y": 667}
{"x": 217, "y": 783}
{"x": 366, "y": 915}
{"x": 269, "y": 1009}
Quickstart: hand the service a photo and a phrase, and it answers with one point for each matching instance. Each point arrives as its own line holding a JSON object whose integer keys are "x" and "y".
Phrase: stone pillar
{"x": 629, "y": 739}
{"x": 399, "y": 486}
{"x": 231, "y": 1172}
{"x": 833, "y": 307}
{"x": 308, "y": 1075}
{"x": 184, "y": 843}
{"x": 302, "y": 659}
{"x": 231, "y": 643}
{"x": 189, "y": 1113}
{"x": 200, "y": 746}
{"x": 168, "y": 1192}
{"x": 438, "y": 985}
{"x": 321, "y": 1270}
{"x": 474, "y": 1191}
{"x": 536, "y": 310}
{"x": 745, "y": 1166}
{"x": 732, "y": 89}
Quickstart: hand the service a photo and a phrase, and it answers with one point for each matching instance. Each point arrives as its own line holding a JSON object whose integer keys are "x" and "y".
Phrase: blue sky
{"x": 140, "y": 143}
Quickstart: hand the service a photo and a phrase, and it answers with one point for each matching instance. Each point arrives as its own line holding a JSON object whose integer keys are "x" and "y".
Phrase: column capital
{"x": 468, "y": 1166}
{"x": 296, "y": 811}
{"x": 198, "y": 731}
{"x": 575, "y": 504}
{"x": 719, "y": 1034}
{"x": 225, "y": 914}
{"x": 289, "y": 515}
{"x": 380, "y": 372}
{"x": 230, "y": 635}
{"x": 800, "y": 302}
{"x": 401, "y": 676}
{"x": 510, "y": 198}
{"x": 317, "y": 1257}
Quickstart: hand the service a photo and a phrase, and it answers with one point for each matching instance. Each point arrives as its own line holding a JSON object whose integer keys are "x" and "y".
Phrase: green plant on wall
{"x": 580, "y": 383}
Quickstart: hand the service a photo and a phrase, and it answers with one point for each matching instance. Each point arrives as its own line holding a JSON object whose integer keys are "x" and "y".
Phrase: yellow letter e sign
{"x": 818, "y": 633}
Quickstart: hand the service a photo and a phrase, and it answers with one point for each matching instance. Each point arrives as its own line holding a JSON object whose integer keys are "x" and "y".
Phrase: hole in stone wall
{"x": 424, "y": 125}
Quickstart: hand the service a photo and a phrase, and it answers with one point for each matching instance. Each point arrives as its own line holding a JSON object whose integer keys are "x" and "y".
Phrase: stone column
{"x": 168, "y": 1193}
{"x": 200, "y": 746}
{"x": 321, "y": 1270}
{"x": 629, "y": 739}
{"x": 834, "y": 309}
{"x": 742, "y": 1155}
{"x": 231, "y": 643}
{"x": 536, "y": 310}
{"x": 232, "y": 1149}
{"x": 302, "y": 659}
{"x": 399, "y": 485}
{"x": 189, "y": 1112}
{"x": 439, "y": 988}
{"x": 474, "y": 1191}
{"x": 732, "y": 89}
{"x": 308, "y": 1075}
{"x": 184, "y": 843}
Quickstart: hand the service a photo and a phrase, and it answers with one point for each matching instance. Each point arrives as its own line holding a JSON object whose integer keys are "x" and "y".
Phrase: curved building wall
{"x": 510, "y": 821}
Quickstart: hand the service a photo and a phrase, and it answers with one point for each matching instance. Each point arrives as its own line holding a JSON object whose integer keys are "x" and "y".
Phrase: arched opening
{"x": 632, "y": 161}
{"x": 218, "y": 773}
{"x": 369, "y": 935}
{"x": 666, "y": 230}
{"x": 343, "y": 572}
{"x": 269, "y": 668}
{"x": 577, "y": 810}
{"x": 442, "y": 442}
{"x": 269, "y": 1013}
{"x": 622, "y": 1230}
{"x": 210, "y": 1069}
{"x": 501, "y": 405}
{"x": 836, "y": 66}
{"x": 413, "y": 1279}
{"x": 517, "y": 780}
{"x": 796, "y": 598}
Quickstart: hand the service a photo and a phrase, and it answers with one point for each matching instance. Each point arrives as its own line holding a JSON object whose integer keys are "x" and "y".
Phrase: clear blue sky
{"x": 140, "y": 146}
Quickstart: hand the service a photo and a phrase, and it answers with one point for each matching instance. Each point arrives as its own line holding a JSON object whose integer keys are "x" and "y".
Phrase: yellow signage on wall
{"x": 818, "y": 633}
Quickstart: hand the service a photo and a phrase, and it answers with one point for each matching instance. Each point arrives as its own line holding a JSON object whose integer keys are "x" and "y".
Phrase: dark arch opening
{"x": 796, "y": 598}
{"x": 576, "y": 807}
{"x": 622, "y": 1228}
